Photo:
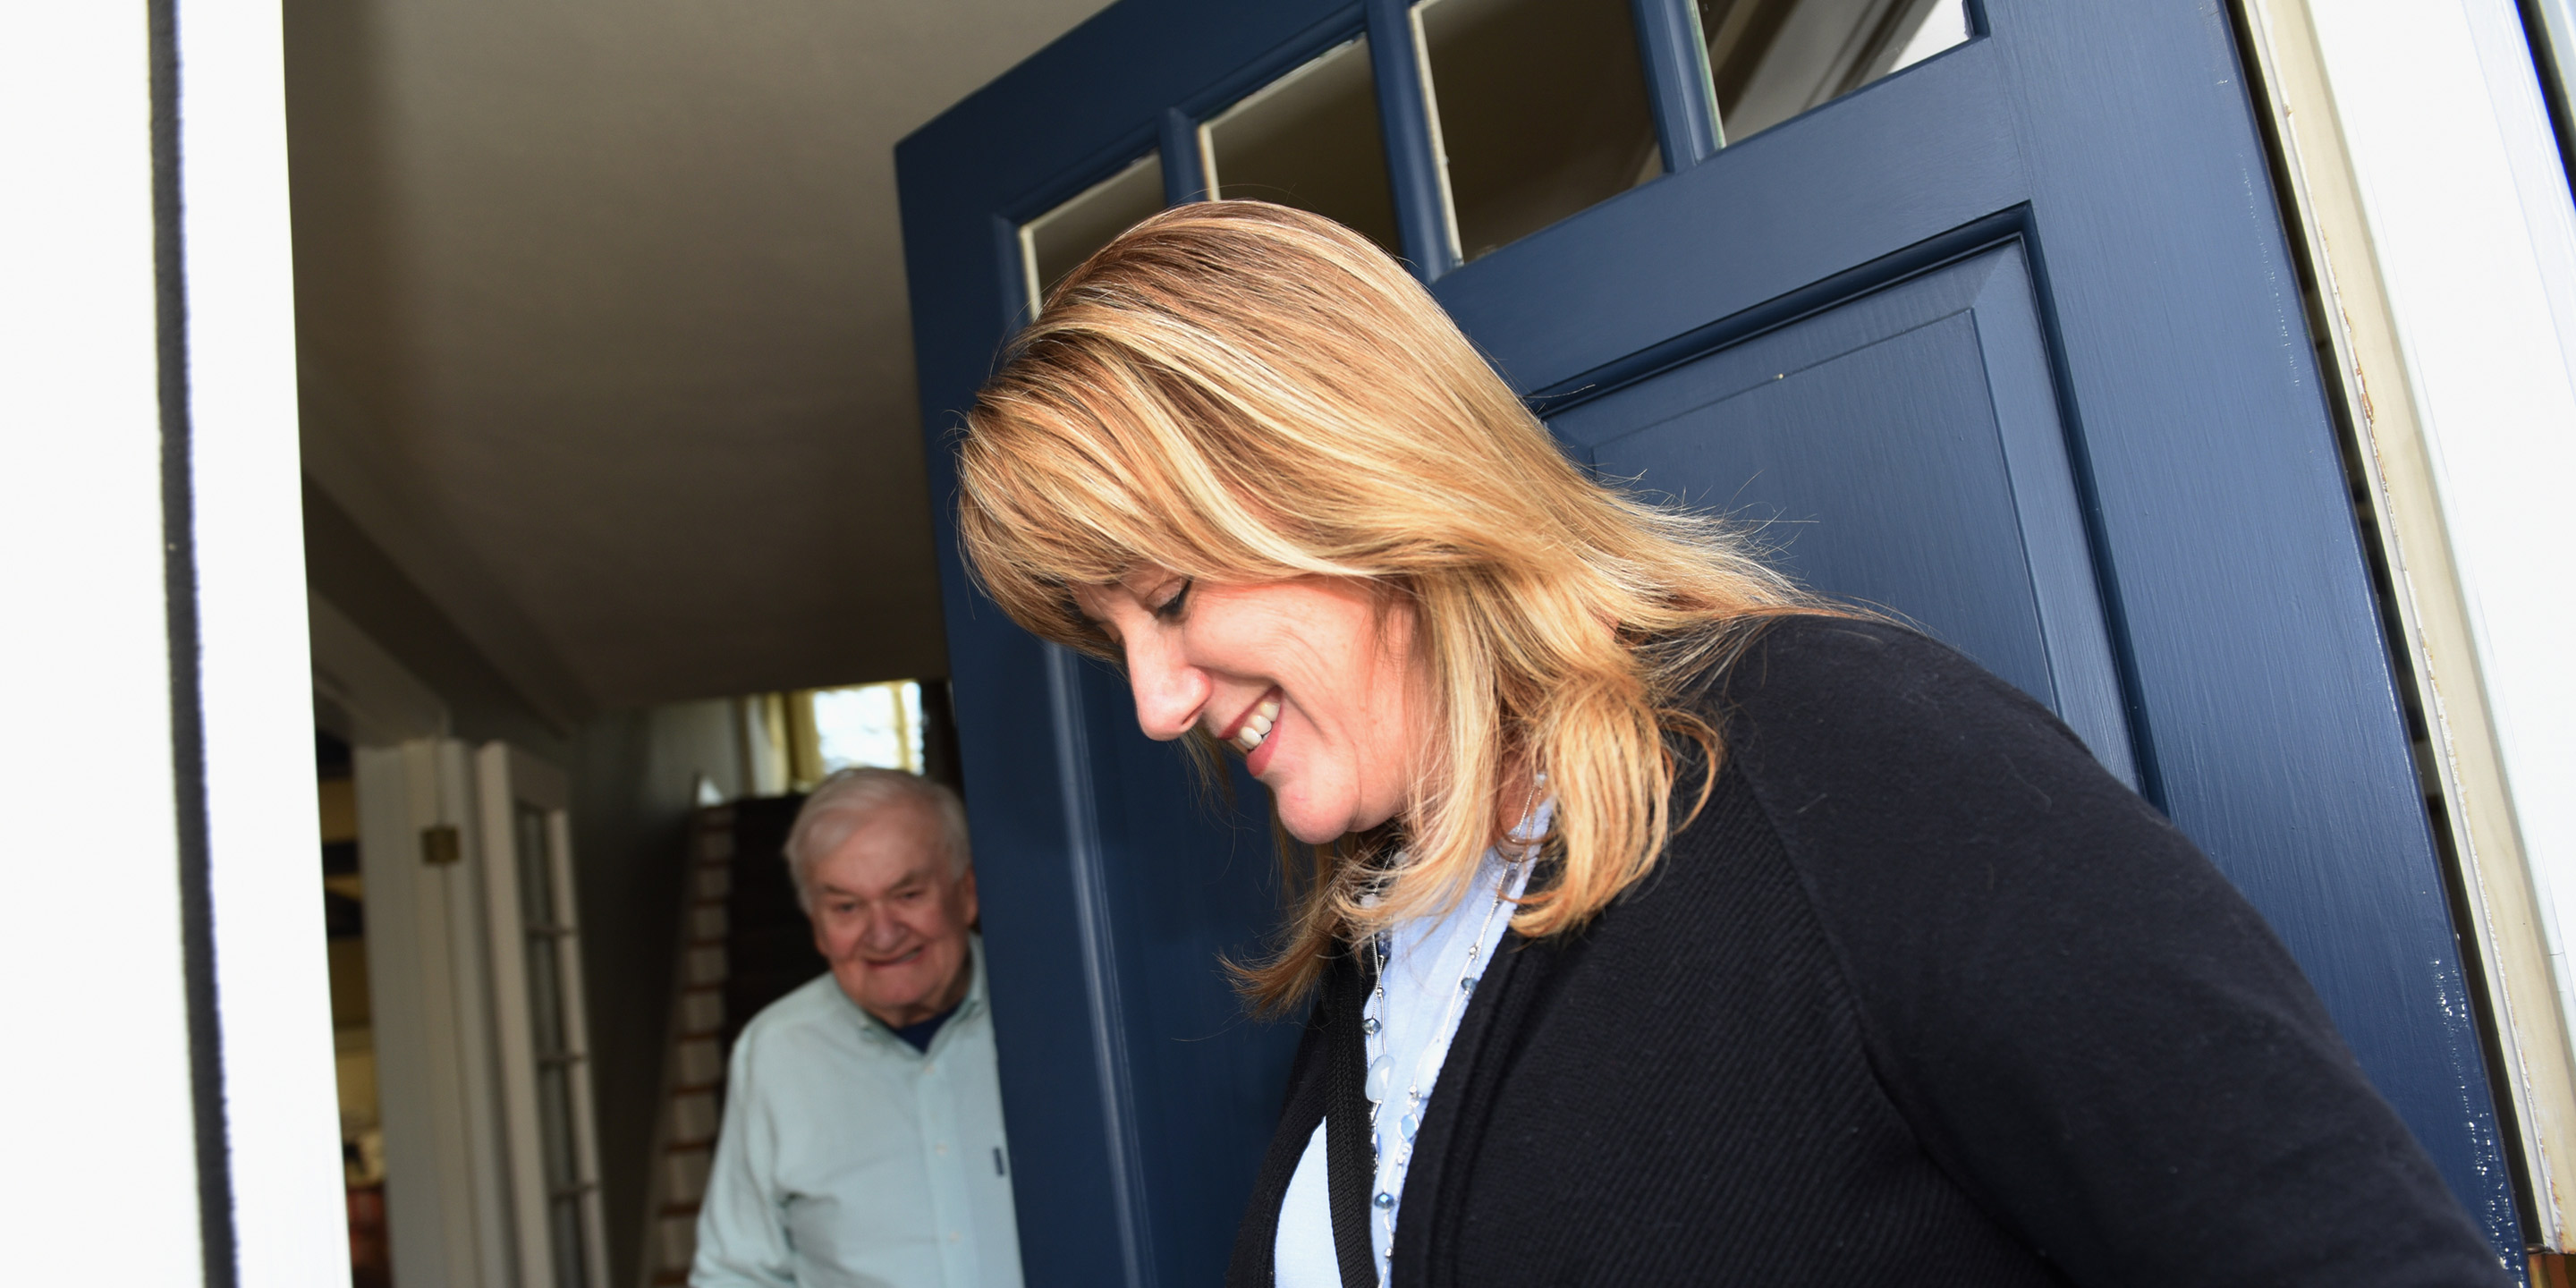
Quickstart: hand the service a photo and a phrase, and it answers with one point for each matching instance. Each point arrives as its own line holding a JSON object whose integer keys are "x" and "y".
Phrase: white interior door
{"x": 419, "y": 852}
{"x": 491, "y": 1161}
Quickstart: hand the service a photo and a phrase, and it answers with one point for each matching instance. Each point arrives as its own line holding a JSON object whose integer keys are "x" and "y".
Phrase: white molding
{"x": 409, "y": 999}
{"x": 469, "y": 955}
{"x": 100, "y": 1146}
{"x": 256, "y": 690}
{"x": 2438, "y": 218}
{"x": 430, "y": 970}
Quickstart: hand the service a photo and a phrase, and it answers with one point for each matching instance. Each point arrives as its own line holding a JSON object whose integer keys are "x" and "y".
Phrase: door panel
{"x": 2009, "y": 341}
{"x": 1187, "y": 878}
{"x": 1901, "y": 450}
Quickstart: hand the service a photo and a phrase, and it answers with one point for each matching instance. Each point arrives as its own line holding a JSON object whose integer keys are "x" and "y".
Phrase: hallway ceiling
{"x": 602, "y": 323}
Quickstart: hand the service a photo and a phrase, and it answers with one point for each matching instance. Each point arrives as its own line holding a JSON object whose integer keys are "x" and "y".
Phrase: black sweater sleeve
{"x": 2086, "y": 1025}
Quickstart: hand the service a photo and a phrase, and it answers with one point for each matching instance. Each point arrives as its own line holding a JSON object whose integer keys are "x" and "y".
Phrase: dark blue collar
{"x": 919, "y": 1035}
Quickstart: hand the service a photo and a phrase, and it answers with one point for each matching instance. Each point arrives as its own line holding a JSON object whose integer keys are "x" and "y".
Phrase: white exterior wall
{"x": 105, "y": 1186}
{"x": 97, "y": 1068}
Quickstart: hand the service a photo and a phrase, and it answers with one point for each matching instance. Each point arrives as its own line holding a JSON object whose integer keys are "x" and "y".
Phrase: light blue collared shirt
{"x": 850, "y": 1160}
{"x": 1418, "y": 1005}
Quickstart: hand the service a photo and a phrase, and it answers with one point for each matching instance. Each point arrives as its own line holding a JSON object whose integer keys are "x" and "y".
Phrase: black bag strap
{"x": 1350, "y": 1152}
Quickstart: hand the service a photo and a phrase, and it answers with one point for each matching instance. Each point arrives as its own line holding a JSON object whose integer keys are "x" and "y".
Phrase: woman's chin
{"x": 1321, "y": 827}
{"x": 1307, "y": 828}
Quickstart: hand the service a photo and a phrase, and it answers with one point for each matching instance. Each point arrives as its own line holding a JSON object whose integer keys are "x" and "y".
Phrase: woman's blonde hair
{"x": 1242, "y": 393}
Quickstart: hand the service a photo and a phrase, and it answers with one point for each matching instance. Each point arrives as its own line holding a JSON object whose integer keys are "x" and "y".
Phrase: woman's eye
{"x": 1170, "y": 609}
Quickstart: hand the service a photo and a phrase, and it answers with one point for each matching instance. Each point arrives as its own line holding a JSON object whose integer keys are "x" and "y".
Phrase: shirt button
{"x": 954, "y": 1236}
{"x": 942, "y": 1147}
{"x": 931, "y": 1067}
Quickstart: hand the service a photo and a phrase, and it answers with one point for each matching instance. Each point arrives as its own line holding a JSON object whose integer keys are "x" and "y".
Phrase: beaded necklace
{"x": 1390, "y": 1166}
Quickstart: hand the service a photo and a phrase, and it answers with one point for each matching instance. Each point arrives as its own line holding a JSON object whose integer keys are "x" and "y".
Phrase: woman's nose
{"x": 1169, "y": 695}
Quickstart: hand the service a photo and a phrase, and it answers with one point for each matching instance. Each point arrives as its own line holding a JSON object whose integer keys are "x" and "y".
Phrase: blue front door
{"x": 2008, "y": 341}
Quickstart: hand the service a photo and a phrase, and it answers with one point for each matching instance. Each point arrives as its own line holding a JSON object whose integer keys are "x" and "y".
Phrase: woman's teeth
{"x": 1257, "y": 725}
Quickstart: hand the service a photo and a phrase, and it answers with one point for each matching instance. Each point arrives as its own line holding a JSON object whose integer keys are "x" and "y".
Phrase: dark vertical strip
{"x": 1404, "y": 109}
{"x": 1677, "y": 82}
{"x": 1101, "y": 978}
{"x": 939, "y": 762}
{"x": 1019, "y": 301}
{"x": 2551, "y": 59}
{"x": 187, "y": 718}
{"x": 1184, "y": 170}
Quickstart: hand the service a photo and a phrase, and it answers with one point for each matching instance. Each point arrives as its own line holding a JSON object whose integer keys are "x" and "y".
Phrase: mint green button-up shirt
{"x": 850, "y": 1160}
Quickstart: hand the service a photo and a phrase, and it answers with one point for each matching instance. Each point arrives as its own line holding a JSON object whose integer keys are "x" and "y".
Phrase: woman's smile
{"x": 1253, "y": 733}
{"x": 1312, "y": 680}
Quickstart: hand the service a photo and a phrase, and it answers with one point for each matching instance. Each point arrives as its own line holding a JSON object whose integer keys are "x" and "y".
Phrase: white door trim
{"x": 272, "y": 983}
{"x": 89, "y": 768}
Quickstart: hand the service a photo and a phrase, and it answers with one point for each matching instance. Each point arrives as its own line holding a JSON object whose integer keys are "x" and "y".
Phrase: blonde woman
{"x": 1662, "y": 923}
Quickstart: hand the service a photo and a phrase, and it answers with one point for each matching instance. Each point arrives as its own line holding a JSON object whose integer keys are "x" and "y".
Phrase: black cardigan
{"x": 1922, "y": 997}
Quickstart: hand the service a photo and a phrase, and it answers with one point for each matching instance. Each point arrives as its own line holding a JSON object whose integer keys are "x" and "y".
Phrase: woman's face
{"x": 1313, "y": 680}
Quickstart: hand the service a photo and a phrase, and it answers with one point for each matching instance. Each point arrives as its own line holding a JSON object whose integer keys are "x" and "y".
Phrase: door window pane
{"x": 1056, "y": 243}
{"x": 1769, "y": 60}
{"x": 1310, "y": 139}
{"x": 1540, "y": 109}
{"x": 536, "y": 866}
{"x": 547, "y": 938}
{"x": 563, "y": 1176}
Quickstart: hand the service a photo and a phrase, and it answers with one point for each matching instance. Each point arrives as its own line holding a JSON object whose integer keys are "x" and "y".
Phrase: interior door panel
{"x": 1901, "y": 450}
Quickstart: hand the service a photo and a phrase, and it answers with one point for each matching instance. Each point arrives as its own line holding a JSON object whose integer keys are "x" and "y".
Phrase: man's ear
{"x": 966, "y": 897}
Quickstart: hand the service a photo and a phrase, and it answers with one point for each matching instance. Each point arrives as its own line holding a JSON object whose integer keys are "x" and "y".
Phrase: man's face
{"x": 890, "y": 919}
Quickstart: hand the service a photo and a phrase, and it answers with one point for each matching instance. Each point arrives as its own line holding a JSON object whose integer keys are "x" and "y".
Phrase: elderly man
{"x": 862, "y": 1140}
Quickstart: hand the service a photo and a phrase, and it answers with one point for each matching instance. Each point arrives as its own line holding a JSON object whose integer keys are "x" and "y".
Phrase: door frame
{"x": 2429, "y": 256}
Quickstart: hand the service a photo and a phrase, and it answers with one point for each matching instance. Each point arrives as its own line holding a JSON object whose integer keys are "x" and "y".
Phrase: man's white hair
{"x": 847, "y": 799}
